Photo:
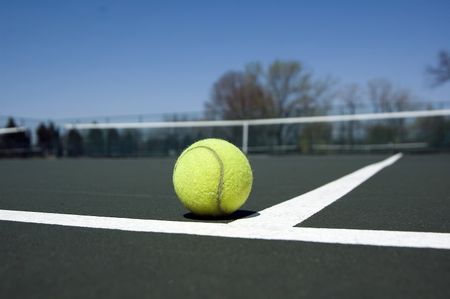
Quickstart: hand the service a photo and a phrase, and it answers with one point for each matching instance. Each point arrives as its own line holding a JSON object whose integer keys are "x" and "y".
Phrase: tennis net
{"x": 406, "y": 131}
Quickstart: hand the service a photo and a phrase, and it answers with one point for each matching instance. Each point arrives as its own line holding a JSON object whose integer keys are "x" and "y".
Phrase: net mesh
{"x": 414, "y": 131}
{"x": 406, "y": 133}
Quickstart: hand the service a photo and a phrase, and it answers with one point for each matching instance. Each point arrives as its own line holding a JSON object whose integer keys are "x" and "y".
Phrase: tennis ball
{"x": 212, "y": 177}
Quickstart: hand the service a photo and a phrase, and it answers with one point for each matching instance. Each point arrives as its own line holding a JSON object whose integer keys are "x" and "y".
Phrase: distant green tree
{"x": 435, "y": 131}
{"x": 381, "y": 133}
{"x": 112, "y": 142}
{"x": 49, "y": 139}
{"x": 176, "y": 139}
{"x": 128, "y": 143}
{"x": 315, "y": 133}
{"x": 9, "y": 140}
{"x": 42, "y": 135}
{"x": 95, "y": 145}
{"x": 75, "y": 146}
{"x": 16, "y": 143}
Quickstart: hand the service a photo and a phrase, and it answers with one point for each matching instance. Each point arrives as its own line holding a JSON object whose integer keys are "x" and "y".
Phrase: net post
{"x": 245, "y": 137}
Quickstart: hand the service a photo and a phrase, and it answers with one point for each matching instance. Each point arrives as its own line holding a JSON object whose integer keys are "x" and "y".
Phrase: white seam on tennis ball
{"x": 221, "y": 165}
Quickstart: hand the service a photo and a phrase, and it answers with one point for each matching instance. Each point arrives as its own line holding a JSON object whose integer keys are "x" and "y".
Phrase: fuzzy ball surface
{"x": 212, "y": 177}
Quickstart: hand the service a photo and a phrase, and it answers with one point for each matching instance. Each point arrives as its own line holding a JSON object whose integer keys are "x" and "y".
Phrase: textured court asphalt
{"x": 43, "y": 261}
{"x": 411, "y": 195}
{"x": 142, "y": 188}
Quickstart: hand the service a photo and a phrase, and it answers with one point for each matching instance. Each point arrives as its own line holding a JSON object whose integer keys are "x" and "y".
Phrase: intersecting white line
{"x": 300, "y": 208}
{"x": 320, "y": 235}
{"x": 252, "y": 228}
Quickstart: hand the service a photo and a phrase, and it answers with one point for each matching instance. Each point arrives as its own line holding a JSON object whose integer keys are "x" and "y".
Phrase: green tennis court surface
{"x": 54, "y": 261}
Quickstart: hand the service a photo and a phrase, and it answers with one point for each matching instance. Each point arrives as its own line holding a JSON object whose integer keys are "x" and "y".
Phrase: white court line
{"x": 293, "y": 211}
{"x": 255, "y": 229}
{"x": 319, "y": 235}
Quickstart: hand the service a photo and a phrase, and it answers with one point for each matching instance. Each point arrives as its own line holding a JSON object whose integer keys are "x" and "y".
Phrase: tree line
{"x": 279, "y": 90}
{"x": 288, "y": 89}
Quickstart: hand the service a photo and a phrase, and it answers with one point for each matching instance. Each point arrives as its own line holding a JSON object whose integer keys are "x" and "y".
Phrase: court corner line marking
{"x": 296, "y": 210}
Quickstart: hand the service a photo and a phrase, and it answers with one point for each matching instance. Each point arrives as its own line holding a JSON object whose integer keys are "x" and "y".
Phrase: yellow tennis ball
{"x": 212, "y": 177}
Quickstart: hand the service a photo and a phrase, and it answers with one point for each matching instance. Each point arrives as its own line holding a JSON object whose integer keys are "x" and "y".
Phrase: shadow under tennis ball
{"x": 234, "y": 216}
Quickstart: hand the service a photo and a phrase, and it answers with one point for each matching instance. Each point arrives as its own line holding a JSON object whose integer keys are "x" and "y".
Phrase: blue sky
{"x": 83, "y": 58}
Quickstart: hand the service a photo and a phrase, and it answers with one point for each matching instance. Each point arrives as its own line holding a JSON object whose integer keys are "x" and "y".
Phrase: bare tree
{"x": 238, "y": 95}
{"x": 386, "y": 98}
{"x": 293, "y": 91}
{"x": 283, "y": 89}
{"x": 380, "y": 94}
{"x": 440, "y": 73}
{"x": 286, "y": 84}
{"x": 352, "y": 98}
